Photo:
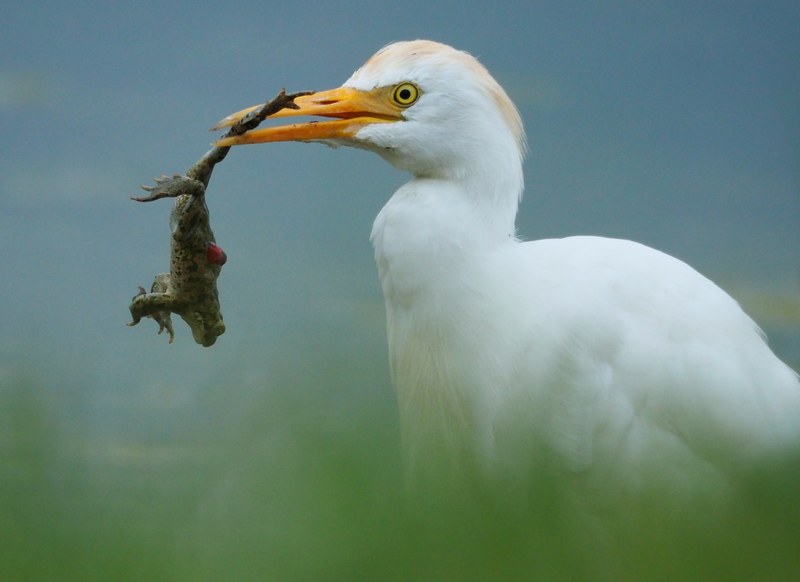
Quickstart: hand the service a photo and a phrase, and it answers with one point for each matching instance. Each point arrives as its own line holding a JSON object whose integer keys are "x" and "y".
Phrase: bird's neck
{"x": 432, "y": 240}
{"x": 438, "y": 223}
{"x": 483, "y": 187}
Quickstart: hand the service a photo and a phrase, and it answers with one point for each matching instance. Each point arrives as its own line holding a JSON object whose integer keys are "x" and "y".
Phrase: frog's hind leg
{"x": 171, "y": 187}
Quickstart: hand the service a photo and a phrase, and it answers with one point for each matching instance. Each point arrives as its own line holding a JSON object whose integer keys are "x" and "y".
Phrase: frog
{"x": 190, "y": 288}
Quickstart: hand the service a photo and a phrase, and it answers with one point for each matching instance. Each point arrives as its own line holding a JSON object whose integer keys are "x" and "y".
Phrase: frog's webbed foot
{"x": 255, "y": 117}
{"x": 171, "y": 187}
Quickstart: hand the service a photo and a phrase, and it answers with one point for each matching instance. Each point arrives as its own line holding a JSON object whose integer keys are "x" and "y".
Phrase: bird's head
{"x": 426, "y": 107}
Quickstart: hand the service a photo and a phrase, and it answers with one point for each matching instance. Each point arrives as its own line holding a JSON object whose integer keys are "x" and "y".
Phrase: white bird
{"x": 598, "y": 358}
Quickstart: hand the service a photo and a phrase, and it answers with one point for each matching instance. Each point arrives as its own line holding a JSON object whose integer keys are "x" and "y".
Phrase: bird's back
{"x": 619, "y": 364}
{"x": 639, "y": 367}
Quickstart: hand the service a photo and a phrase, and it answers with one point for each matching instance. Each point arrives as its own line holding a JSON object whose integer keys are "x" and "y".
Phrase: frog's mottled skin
{"x": 190, "y": 288}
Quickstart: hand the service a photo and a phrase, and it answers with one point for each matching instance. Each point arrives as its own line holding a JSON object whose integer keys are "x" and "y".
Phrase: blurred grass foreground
{"x": 297, "y": 476}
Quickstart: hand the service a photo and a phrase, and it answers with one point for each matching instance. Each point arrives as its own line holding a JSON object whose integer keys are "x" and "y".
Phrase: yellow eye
{"x": 405, "y": 94}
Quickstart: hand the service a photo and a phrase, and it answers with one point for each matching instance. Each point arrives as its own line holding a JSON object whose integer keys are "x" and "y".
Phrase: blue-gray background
{"x": 675, "y": 124}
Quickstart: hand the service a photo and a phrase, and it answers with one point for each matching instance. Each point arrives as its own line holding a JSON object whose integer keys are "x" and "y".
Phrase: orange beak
{"x": 352, "y": 108}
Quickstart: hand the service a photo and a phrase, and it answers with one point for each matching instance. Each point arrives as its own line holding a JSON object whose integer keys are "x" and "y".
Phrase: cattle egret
{"x": 613, "y": 362}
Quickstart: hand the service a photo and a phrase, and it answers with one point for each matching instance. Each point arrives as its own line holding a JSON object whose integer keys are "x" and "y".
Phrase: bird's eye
{"x": 405, "y": 94}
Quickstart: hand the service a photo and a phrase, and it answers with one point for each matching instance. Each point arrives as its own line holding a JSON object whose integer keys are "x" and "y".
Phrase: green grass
{"x": 299, "y": 478}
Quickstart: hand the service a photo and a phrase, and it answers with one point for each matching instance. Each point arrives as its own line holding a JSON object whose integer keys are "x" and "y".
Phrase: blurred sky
{"x": 675, "y": 124}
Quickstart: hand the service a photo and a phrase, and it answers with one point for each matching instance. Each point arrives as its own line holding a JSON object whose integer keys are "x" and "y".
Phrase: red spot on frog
{"x": 216, "y": 256}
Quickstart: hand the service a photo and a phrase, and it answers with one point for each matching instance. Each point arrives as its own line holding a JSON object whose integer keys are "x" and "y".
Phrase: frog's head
{"x": 206, "y": 327}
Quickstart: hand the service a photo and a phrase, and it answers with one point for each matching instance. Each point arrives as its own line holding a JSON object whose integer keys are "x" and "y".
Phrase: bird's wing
{"x": 644, "y": 357}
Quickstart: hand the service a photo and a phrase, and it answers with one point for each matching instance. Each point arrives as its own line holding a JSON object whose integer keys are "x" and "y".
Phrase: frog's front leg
{"x": 164, "y": 321}
{"x": 157, "y": 305}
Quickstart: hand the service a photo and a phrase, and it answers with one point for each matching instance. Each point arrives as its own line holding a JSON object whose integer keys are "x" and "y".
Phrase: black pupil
{"x": 405, "y": 94}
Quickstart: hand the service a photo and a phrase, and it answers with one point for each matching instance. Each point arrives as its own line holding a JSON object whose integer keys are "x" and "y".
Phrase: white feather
{"x": 623, "y": 364}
